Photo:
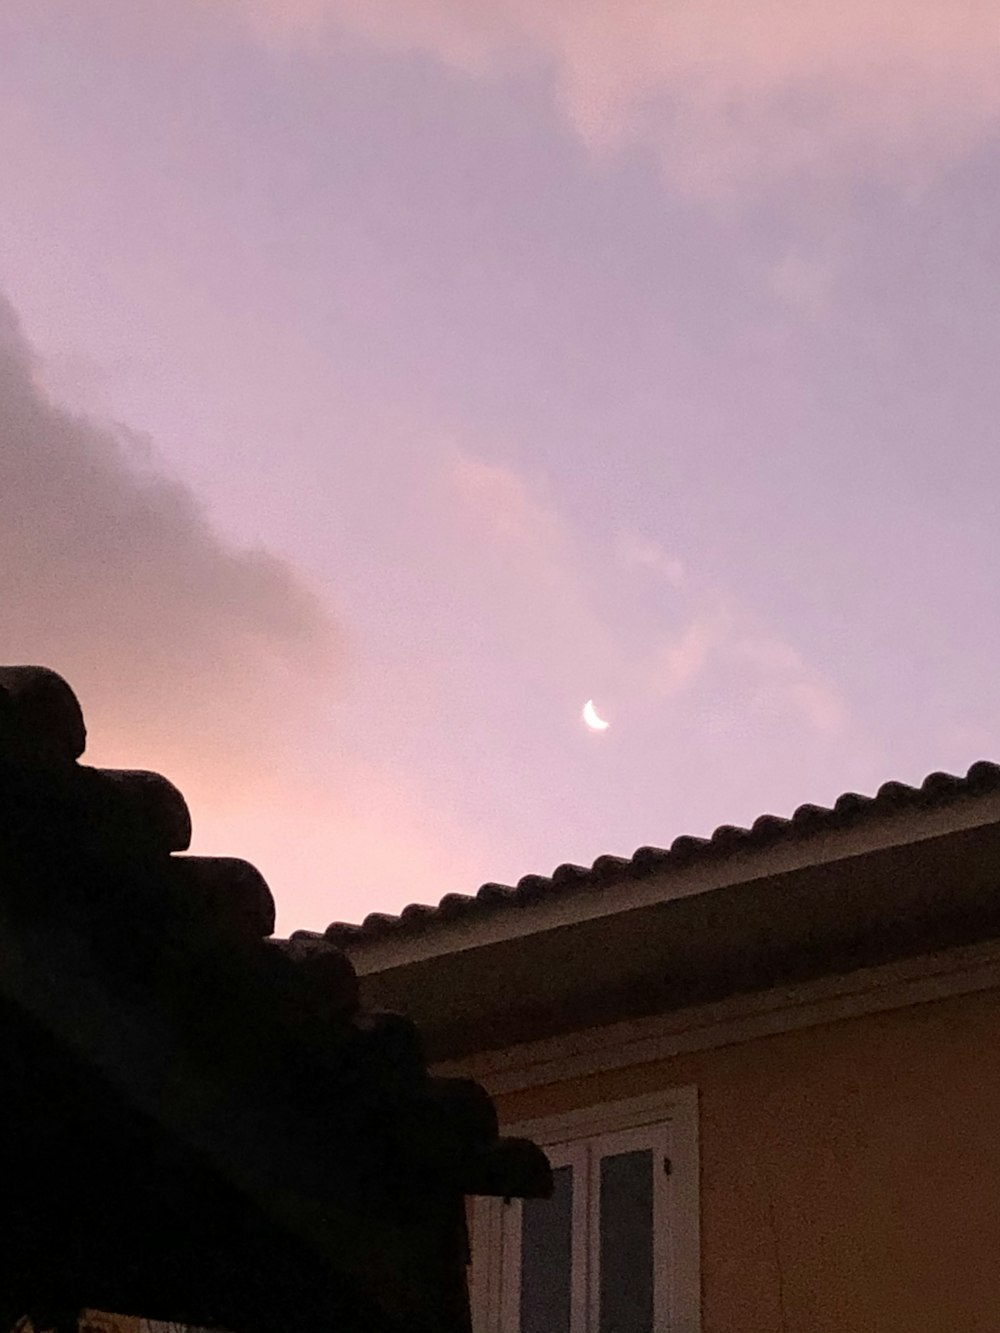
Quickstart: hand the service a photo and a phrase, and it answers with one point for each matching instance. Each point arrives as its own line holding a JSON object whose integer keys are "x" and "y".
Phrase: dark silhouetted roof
{"x": 202, "y": 1124}
{"x": 850, "y": 809}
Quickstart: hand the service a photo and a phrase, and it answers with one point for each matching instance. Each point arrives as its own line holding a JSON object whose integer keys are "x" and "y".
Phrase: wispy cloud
{"x": 509, "y": 508}
{"x": 636, "y": 552}
{"x": 547, "y": 573}
{"x": 678, "y": 663}
{"x": 728, "y": 95}
{"x": 805, "y": 284}
{"x": 726, "y": 656}
{"x": 785, "y": 682}
{"x": 533, "y": 570}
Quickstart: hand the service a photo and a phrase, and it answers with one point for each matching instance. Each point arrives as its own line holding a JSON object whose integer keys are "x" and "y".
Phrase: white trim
{"x": 486, "y": 1280}
{"x": 742, "y": 1018}
{"x": 666, "y": 1122}
{"x": 593, "y": 901}
{"x": 508, "y": 1258}
{"x": 588, "y": 1122}
{"x": 489, "y": 1282}
{"x": 657, "y": 1140}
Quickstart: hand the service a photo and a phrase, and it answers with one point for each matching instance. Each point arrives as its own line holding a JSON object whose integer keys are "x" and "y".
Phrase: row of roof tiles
{"x": 243, "y": 1073}
{"x": 935, "y": 790}
{"x": 95, "y": 852}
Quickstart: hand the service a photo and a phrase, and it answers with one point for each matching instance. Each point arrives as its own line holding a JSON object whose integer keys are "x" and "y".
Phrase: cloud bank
{"x": 179, "y": 644}
{"x": 727, "y": 95}
{"x": 218, "y": 666}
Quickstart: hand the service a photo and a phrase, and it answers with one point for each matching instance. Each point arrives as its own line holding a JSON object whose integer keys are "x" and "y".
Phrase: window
{"x": 616, "y": 1248}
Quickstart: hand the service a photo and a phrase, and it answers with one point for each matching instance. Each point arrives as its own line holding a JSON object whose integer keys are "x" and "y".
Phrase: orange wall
{"x": 850, "y": 1174}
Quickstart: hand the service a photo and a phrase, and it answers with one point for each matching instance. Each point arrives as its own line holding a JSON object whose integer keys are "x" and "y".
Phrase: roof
{"x": 851, "y": 809}
{"x": 208, "y": 1080}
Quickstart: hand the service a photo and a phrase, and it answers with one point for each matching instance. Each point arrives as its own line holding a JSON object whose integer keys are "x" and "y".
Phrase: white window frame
{"x": 667, "y": 1123}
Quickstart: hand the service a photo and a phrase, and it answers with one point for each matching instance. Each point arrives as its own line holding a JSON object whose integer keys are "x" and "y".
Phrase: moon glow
{"x": 593, "y": 718}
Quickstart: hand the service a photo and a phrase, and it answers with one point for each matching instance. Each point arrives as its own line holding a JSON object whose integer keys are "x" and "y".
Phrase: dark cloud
{"x": 181, "y": 645}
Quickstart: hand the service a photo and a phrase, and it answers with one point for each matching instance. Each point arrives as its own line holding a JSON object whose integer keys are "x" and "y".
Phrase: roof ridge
{"x": 937, "y": 788}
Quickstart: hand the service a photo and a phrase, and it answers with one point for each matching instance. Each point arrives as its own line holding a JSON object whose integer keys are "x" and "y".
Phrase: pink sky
{"x": 628, "y": 350}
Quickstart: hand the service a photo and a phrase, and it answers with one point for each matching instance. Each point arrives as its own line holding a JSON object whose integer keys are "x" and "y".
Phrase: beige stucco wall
{"x": 850, "y": 1174}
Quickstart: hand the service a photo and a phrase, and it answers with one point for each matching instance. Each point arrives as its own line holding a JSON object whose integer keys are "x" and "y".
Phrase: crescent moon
{"x": 593, "y": 718}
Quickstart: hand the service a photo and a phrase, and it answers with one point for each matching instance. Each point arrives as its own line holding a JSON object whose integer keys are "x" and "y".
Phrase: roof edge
{"x": 937, "y": 791}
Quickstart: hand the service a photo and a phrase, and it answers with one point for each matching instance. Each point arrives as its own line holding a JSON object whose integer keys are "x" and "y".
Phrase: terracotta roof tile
{"x": 40, "y": 715}
{"x": 531, "y": 887}
{"x": 213, "y": 1070}
{"x": 454, "y": 904}
{"x": 495, "y": 893}
{"x": 155, "y": 803}
{"x": 727, "y": 840}
{"x": 416, "y": 912}
{"x": 609, "y": 867}
{"x": 569, "y": 874}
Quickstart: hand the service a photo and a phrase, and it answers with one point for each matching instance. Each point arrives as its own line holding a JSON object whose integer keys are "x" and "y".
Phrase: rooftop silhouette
{"x": 203, "y": 1124}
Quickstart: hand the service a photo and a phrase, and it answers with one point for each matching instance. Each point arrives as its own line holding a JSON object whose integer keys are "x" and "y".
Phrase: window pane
{"x": 547, "y": 1258}
{"x": 627, "y": 1243}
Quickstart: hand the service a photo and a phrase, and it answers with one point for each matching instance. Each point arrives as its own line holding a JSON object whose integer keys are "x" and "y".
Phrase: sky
{"x": 382, "y": 380}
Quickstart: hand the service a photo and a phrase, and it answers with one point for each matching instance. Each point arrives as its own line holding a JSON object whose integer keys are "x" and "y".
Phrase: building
{"x": 766, "y": 1067}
